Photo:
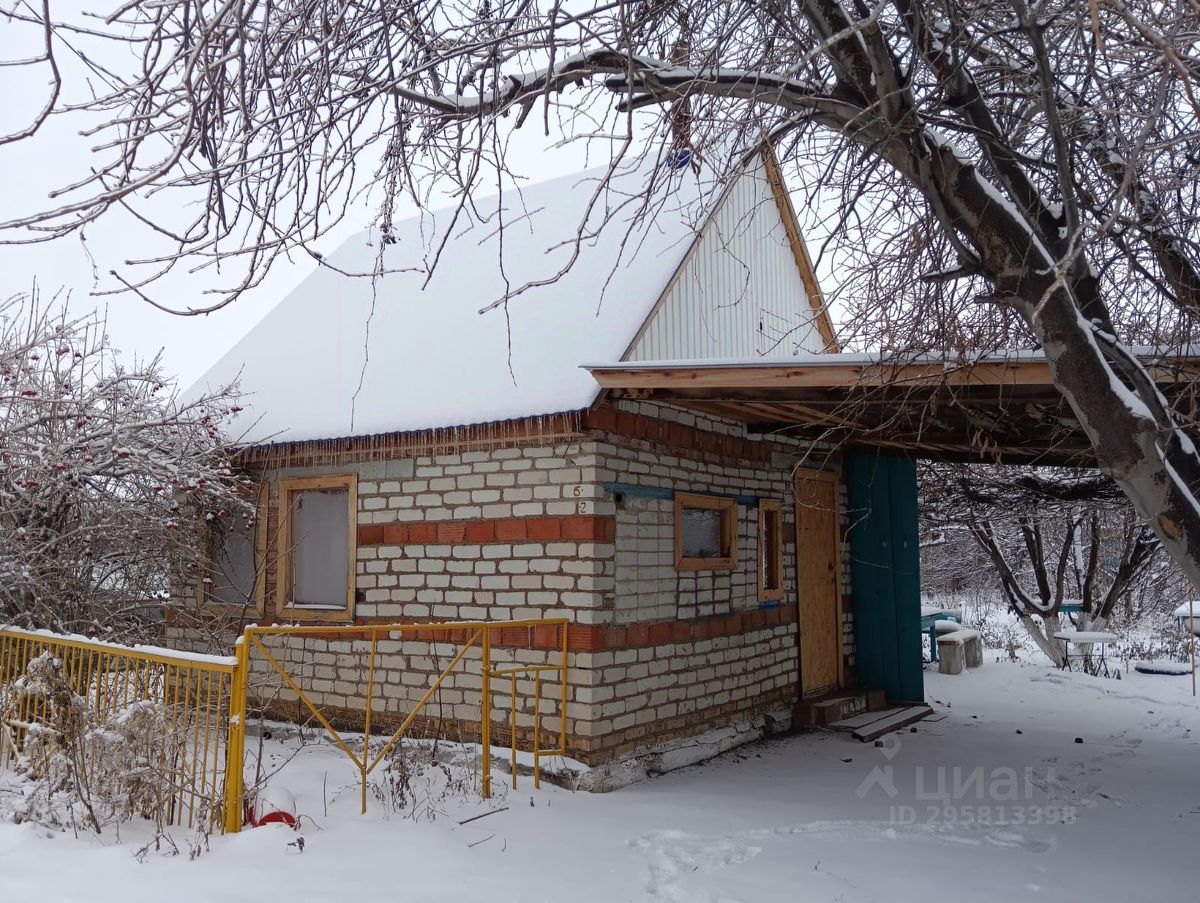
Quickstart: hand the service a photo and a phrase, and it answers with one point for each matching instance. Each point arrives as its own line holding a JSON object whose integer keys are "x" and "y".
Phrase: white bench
{"x": 959, "y": 648}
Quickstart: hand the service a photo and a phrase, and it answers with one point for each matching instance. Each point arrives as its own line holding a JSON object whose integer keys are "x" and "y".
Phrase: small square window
{"x": 770, "y": 551}
{"x": 317, "y": 577}
{"x": 705, "y": 532}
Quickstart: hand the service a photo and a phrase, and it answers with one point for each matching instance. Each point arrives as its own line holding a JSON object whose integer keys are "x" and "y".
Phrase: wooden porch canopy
{"x": 998, "y": 407}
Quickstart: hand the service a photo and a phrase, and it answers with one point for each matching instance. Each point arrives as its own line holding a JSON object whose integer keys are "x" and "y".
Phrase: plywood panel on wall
{"x": 817, "y": 585}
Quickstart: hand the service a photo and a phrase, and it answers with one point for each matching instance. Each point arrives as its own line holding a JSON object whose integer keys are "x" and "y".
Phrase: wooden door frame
{"x": 835, "y": 478}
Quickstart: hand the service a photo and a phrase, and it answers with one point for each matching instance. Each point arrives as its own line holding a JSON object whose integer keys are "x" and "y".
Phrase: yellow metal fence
{"x": 181, "y": 744}
{"x": 482, "y": 650}
{"x": 197, "y": 736}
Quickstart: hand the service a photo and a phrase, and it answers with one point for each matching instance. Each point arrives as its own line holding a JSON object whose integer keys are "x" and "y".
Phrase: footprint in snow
{"x": 1018, "y": 840}
{"x": 676, "y": 854}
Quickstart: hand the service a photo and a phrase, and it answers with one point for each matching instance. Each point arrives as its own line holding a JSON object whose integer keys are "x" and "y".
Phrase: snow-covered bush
{"x": 999, "y": 631}
{"x": 420, "y": 779}
{"x": 1164, "y": 640}
{"x": 82, "y": 768}
{"x": 105, "y": 477}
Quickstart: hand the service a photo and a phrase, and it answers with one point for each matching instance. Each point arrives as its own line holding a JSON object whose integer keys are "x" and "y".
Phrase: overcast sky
{"x": 190, "y": 344}
{"x": 79, "y": 265}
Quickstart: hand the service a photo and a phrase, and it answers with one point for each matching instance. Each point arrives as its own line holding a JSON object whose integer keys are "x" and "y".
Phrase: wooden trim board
{"x": 787, "y": 213}
{"x": 808, "y": 635}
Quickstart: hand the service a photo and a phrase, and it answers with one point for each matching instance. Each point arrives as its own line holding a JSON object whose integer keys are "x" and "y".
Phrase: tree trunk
{"x": 1042, "y": 635}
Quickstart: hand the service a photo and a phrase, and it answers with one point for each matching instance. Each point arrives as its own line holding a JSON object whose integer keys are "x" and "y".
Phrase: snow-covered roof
{"x": 342, "y": 356}
{"x": 1189, "y": 609}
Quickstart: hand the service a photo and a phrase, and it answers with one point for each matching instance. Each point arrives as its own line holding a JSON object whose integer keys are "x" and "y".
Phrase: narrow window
{"x": 234, "y": 576}
{"x": 770, "y": 551}
{"x": 317, "y": 566}
{"x": 705, "y": 532}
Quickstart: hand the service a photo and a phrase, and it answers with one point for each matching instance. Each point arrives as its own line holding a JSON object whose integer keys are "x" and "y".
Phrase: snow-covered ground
{"x": 995, "y": 801}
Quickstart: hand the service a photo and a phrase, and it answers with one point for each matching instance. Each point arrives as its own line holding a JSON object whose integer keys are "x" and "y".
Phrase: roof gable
{"x": 745, "y": 288}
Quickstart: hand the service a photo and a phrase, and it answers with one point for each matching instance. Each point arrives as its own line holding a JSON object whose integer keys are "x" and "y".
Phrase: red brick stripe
{"x": 580, "y": 637}
{"x": 574, "y": 527}
{"x": 600, "y": 637}
{"x": 665, "y": 432}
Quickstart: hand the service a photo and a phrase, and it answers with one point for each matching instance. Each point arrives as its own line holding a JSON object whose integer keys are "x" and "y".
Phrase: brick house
{"x": 421, "y": 461}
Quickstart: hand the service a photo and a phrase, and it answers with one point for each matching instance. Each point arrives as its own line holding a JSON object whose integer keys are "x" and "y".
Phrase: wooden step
{"x": 824, "y": 711}
{"x": 857, "y": 721}
{"x": 873, "y": 725}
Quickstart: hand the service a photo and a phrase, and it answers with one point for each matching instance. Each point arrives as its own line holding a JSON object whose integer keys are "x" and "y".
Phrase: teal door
{"x": 885, "y": 573}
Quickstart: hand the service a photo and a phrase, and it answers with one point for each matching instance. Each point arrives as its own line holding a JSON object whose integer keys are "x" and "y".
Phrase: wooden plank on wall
{"x": 818, "y": 560}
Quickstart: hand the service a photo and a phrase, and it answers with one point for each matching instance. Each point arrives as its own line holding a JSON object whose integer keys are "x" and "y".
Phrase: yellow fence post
{"x": 235, "y": 750}
{"x": 562, "y": 728}
{"x": 513, "y": 729}
{"x": 537, "y": 730}
{"x": 485, "y": 713}
{"x": 367, "y": 721}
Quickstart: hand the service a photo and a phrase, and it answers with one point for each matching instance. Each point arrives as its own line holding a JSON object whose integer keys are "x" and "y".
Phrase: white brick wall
{"x": 700, "y": 683}
{"x": 620, "y": 699}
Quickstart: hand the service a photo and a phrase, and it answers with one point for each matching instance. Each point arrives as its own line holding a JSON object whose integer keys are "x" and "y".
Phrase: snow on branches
{"x": 1055, "y": 542}
{"x": 986, "y": 174}
{"x": 105, "y": 476}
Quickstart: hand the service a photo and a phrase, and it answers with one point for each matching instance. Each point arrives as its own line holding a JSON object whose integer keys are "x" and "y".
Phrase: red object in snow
{"x": 273, "y": 806}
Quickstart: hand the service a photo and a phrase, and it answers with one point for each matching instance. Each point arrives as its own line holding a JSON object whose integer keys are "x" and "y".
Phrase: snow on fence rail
{"x": 182, "y": 701}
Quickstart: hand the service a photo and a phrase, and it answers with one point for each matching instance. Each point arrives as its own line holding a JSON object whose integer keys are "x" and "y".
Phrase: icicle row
{"x": 536, "y": 430}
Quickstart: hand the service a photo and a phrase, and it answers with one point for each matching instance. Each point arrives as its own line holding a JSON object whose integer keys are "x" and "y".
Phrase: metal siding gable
{"x": 742, "y": 272}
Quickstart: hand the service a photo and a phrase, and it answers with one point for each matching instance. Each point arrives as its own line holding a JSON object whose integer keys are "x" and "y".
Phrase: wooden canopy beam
{"x": 830, "y": 373}
{"x": 992, "y": 409}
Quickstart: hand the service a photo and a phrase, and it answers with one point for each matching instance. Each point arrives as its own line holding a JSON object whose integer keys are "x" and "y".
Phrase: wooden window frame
{"x": 765, "y": 506}
{"x": 729, "y": 534}
{"x": 287, "y": 488}
{"x": 258, "y": 609}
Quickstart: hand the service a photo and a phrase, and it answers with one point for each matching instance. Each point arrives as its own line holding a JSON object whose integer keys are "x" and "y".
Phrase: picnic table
{"x": 1089, "y": 662}
{"x": 930, "y": 615}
